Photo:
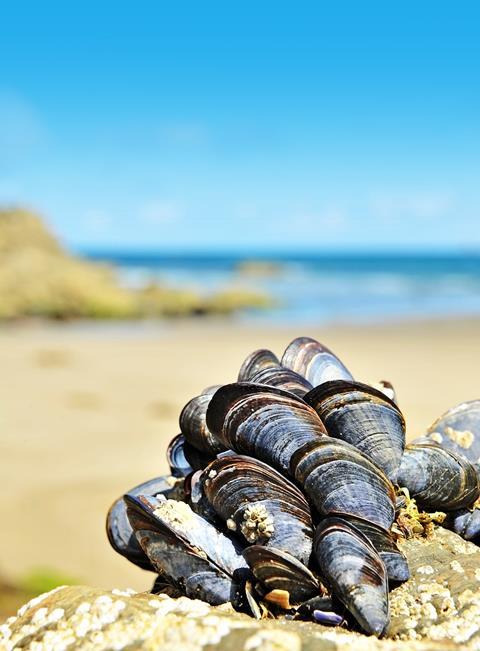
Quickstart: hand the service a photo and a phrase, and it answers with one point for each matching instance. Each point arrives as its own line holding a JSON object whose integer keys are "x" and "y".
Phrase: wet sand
{"x": 86, "y": 413}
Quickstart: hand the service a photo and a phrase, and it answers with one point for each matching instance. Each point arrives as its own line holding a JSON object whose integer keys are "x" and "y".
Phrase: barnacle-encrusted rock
{"x": 441, "y": 601}
{"x": 438, "y": 608}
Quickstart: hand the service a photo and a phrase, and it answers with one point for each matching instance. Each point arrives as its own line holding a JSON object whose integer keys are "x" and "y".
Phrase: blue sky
{"x": 252, "y": 125}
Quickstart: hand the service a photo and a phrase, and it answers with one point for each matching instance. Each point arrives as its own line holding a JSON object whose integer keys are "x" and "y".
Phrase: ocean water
{"x": 318, "y": 289}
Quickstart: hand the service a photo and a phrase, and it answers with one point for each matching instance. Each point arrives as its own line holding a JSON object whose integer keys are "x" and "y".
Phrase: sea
{"x": 319, "y": 288}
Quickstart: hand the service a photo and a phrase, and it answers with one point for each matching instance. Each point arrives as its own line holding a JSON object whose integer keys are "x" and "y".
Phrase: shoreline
{"x": 87, "y": 413}
{"x": 155, "y": 327}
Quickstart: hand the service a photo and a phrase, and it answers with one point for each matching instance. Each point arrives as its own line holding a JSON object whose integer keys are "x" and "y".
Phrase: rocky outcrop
{"x": 438, "y": 608}
{"x": 39, "y": 278}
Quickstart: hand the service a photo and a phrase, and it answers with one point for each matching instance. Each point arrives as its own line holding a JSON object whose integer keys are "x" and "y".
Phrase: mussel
{"x": 261, "y": 421}
{"x": 438, "y": 478}
{"x": 263, "y": 367}
{"x": 314, "y": 361}
{"x": 284, "y": 432}
{"x": 363, "y": 416}
{"x": 119, "y": 530}
{"x": 395, "y": 562}
{"x": 465, "y": 522}
{"x": 176, "y": 457}
{"x": 194, "y": 556}
{"x": 259, "y": 504}
{"x": 260, "y": 462}
{"x": 194, "y": 427}
{"x": 350, "y": 565}
{"x": 284, "y": 579}
{"x": 183, "y": 458}
{"x": 339, "y": 479}
{"x": 257, "y": 361}
{"x": 283, "y": 378}
{"x": 458, "y": 429}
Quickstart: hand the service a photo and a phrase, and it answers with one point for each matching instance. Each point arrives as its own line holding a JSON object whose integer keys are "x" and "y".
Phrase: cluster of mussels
{"x": 284, "y": 489}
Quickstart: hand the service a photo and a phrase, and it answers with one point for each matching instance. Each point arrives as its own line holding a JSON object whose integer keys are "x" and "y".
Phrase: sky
{"x": 244, "y": 125}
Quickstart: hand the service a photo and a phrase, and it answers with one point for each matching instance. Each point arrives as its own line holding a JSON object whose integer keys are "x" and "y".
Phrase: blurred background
{"x": 181, "y": 183}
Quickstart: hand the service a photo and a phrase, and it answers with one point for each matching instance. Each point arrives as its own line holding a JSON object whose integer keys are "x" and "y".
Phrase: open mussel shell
{"x": 177, "y": 461}
{"x": 351, "y": 567}
{"x": 259, "y": 504}
{"x": 363, "y": 416}
{"x": 438, "y": 478}
{"x": 314, "y": 361}
{"x": 395, "y": 562}
{"x": 194, "y": 427}
{"x": 267, "y": 423}
{"x": 190, "y": 552}
{"x": 465, "y": 522}
{"x": 255, "y": 362}
{"x": 283, "y": 378}
{"x": 278, "y": 571}
{"x": 459, "y": 430}
{"x": 338, "y": 478}
{"x": 183, "y": 458}
{"x": 197, "y": 460}
{"x": 119, "y": 530}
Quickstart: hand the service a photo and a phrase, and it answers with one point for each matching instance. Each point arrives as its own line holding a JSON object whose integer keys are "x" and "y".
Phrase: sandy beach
{"x": 86, "y": 412}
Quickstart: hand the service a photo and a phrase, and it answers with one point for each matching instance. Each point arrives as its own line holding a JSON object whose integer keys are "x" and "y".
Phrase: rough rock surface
{"x": 439, "y": 608}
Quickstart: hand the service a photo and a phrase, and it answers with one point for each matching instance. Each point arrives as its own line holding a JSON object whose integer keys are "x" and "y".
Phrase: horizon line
{"x": 99, "y": 251}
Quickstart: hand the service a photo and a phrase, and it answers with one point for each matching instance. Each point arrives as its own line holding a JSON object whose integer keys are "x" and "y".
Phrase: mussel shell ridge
{"x": 186, "y": 549}
{"x": 255, "y": 362}
{"x": 338, "y": 478}
{"x": 194, "y": 427}
{"x": 263, "y": 422}
{"x": 259, "y": 504}
{"x": 283, "y": 378}
{"x": 395, "y": 562}
{"x": 438, "y": 478}
{"x": 314, "y": 361}
{"x": 355, "y": 572}
{"x": 119, "y": 530}
{"x": 365, "y": 417}
{"x": 277, "y": 570}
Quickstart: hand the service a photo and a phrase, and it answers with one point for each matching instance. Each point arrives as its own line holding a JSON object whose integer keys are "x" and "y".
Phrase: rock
{"x": 439, "y": 608}
{"x": 441, "y": 601}
{"x": 39, "y": 278}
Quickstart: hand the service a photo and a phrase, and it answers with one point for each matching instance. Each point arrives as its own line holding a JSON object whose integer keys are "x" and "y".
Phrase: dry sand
{"x": 86, "y": 413}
